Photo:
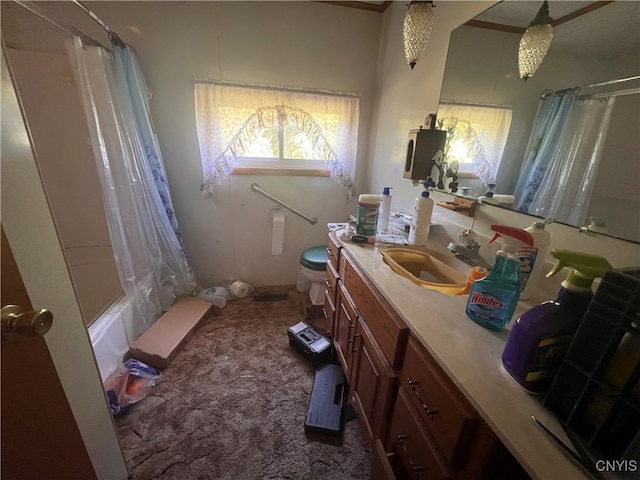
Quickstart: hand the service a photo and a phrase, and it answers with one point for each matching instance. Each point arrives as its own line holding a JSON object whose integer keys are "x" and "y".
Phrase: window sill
{"x": 306, "y": 172}
{"x": 467, "y": 175}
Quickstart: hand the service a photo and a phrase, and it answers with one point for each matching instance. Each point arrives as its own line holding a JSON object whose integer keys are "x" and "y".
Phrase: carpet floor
{"x": 232, "y": 405}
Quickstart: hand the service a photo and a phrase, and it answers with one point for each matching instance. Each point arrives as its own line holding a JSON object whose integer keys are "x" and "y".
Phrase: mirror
{"x": 594, "y": 43}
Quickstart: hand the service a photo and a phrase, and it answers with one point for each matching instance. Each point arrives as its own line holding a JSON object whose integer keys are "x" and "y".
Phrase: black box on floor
{"x": 308, "y": 342}
{"x": 324, "y": 414}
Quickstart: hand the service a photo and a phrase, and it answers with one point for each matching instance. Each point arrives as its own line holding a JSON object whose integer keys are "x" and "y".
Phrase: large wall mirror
{"x": 575, "y": 160}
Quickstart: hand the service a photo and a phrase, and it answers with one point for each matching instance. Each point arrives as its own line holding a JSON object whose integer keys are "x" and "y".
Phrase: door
{"x": 77, "y": 390}
{"x": 35, "y": 414}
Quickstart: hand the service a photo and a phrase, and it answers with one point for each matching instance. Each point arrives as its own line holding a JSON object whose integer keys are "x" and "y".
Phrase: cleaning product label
{"x": 491, "y": 307}
{"x": 551, "y": 352}
{"x": 528, "y": 257}
{"x": 367, "y": 215}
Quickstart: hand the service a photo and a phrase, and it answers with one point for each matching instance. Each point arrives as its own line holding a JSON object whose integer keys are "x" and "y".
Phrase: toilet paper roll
{"x": 239, "y": 289}
{"x": 277, "y": 236}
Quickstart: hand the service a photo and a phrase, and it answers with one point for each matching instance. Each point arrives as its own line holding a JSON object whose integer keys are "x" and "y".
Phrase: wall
{"x": 299, "y": 44}
{"x": 65, "y": 162}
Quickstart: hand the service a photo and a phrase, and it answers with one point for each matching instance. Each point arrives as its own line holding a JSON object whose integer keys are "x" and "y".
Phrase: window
{"x": 476, "y": 137}
{"x": 244, "y": 127}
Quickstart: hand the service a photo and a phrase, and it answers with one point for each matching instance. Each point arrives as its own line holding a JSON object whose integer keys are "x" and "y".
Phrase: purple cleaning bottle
{"x": 541, "y": 336}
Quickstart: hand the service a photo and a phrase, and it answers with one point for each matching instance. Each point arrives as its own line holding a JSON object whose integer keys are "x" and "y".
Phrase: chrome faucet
{"x": 468, "y": 250}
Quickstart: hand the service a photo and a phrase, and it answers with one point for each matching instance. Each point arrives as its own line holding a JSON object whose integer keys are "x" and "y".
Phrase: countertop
{"x": 471, "y": 355}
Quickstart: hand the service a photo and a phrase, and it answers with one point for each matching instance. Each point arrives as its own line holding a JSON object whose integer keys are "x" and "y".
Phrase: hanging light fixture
{"x": 416, "y": 31}
{"x": 535, "y": 42}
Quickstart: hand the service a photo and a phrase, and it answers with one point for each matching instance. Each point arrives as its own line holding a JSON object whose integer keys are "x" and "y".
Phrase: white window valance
{"x": 229, "y": 118}
{"x": 476, "y": 136}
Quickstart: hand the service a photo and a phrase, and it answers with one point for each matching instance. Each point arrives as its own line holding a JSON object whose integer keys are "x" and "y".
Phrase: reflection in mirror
{"x": 571, "y": 151}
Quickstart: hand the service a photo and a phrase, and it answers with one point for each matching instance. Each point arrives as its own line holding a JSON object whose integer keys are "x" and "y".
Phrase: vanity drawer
{"x": 441, "y": 407}
{"x": 331, "y": 281}
{"x": 410, "y": 441}
{"x": 388, "y": 330}
{"x": 333, "y": 251}
{"x": 382, "y": 464}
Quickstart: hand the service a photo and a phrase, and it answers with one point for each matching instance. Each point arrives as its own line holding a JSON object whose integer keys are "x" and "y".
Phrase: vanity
{"x": 428, "y": 383}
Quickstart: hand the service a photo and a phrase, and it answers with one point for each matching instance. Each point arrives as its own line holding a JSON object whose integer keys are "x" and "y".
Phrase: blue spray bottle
{"x": 493, "y": 299}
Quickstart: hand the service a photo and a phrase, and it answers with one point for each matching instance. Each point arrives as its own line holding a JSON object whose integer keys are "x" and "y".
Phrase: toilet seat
{"x": 315, "y": 258}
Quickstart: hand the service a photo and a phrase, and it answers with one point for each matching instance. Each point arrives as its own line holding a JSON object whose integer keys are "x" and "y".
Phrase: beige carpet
{"x": 233, "y": 402}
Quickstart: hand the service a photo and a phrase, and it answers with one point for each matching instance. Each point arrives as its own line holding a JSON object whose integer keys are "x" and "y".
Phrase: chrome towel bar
{"x": 256, "y": 188}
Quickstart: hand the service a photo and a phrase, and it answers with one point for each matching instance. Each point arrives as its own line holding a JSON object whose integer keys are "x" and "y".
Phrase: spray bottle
{"x": 541, "y": 336}
{"x": 532, "y": 259}
{"x": 493, "y": 299}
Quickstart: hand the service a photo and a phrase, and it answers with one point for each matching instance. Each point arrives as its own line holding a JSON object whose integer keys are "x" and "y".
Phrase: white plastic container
{"x": 421, "y": 219}
{"x": 367, "y": 215}
{"x": 216, "y": 295}
{"x": 532, "y": 259}
{"x": 385, "y": 210}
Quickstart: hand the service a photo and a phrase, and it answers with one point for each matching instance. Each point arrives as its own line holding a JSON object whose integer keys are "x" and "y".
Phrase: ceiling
{"x": 611, "y": 26}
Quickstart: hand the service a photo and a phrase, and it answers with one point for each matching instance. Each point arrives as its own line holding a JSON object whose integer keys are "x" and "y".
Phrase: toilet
{"x": 312, "y": 276}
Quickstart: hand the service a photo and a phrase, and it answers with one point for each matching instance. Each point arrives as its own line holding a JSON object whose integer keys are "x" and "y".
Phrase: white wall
{"x": 300, "y": 44}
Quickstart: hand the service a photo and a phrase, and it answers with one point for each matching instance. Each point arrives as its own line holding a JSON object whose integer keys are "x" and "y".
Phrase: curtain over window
{"x": 282, "y": 128}
{"x": 476, "y": 136}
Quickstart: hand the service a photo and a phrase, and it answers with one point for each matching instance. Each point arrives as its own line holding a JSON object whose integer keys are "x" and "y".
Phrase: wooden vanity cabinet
{"x": 331, "y": 280}
{"x": 368, "y": 339}
{"x": 442, "y": 409}
{"x": 344, "y": 330}
{"x": 418, "y": 422}
{"x": 436, "y": 433}
{"x": 331, "y": 292}
{"x": 372, "y": 382}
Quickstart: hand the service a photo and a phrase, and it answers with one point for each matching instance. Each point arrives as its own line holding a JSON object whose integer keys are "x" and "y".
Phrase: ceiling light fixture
{"x": 535, "y": 43}
{"x": 416, "y": 31}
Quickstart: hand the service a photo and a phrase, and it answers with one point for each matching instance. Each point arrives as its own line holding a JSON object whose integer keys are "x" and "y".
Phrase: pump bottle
{"x": 493, "y": 299}
{"x": 541, "y": 336}
{"x": 532, "y": 259}
{"x": 385, "y": 209}
{"x": 421, "y": 218}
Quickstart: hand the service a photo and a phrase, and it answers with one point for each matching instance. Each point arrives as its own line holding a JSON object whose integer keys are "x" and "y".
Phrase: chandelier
{"x": 535, "y": 43}
{"x": 416, "y": 31}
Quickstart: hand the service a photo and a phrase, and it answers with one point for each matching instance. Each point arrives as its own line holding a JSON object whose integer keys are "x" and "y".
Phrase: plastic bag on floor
{"x": 129, "y": 384}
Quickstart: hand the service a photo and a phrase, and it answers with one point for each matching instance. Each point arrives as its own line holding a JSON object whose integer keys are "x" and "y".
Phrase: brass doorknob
{"x": 31, "y": 323}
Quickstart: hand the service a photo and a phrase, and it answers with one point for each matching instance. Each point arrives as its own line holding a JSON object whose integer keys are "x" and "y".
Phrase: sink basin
{"x": 425, "y": 270}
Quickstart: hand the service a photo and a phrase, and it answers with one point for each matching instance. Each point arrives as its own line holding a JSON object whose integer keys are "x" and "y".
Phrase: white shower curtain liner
{"x": 151, "y": 262}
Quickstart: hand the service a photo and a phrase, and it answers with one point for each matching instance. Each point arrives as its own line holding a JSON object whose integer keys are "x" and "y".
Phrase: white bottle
{"x": 532, "y": 259}
{"x": 421, "y": 219}
{"x": 385, "y": 210}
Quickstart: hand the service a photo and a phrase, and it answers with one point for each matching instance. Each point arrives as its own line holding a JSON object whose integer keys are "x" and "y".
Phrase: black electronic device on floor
{"x": 311, "y": 344}
{"x": 324, "y": 414}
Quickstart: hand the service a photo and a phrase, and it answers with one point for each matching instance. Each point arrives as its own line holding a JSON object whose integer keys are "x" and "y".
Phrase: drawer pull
{"x": 354, "y": 349}
{"x": 414, "y": 466}
{"x": 329, "y": 252}
{"x": 324, "y": 312}
{"x": 351, "y": 338}
{"x": 431, "y": 412}
{"x": 326, "y": 282}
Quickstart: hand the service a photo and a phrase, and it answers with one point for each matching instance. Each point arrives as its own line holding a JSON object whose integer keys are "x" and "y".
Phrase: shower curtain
{"x": 563, "y": 158}
{"x": 151, "y": 261}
